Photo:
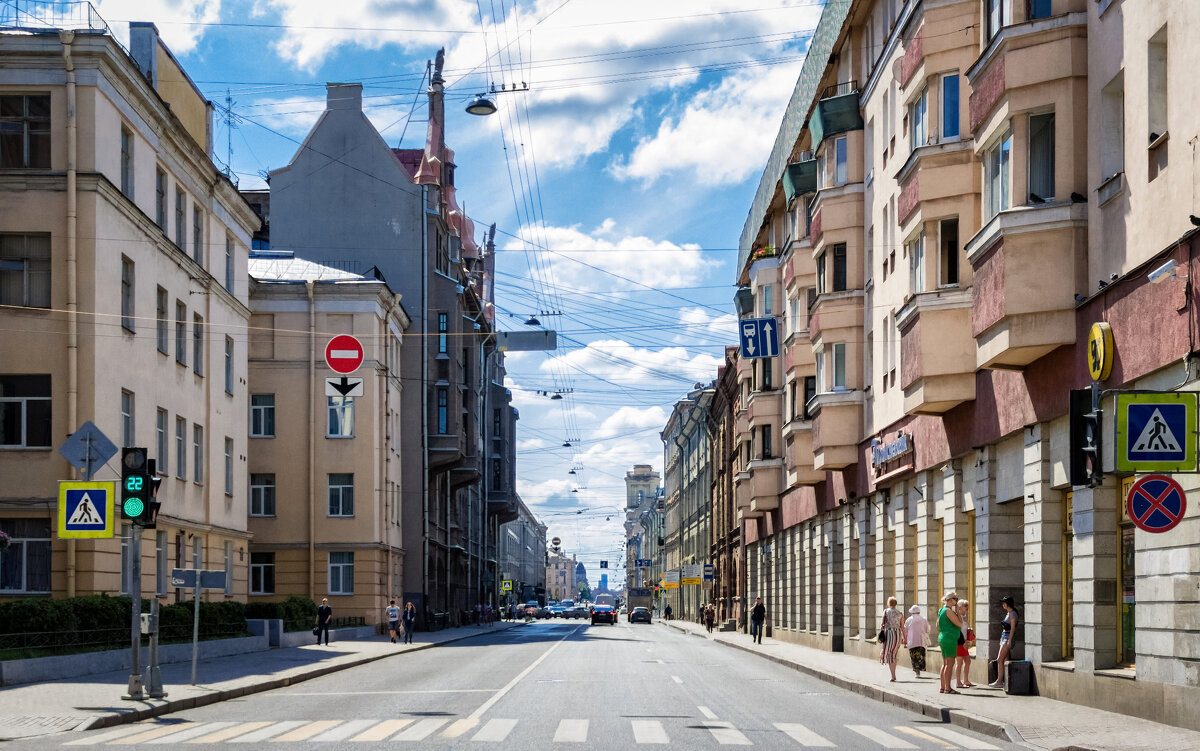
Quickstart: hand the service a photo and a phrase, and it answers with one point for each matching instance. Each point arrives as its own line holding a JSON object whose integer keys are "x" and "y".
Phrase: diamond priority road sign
{"x": 85, "y": 510}
{"x": 1156, "y": 431}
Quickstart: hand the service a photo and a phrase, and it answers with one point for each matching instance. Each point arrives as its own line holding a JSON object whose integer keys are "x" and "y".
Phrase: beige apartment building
{"x": 123, "y": 296}
{"x": 325, "y": 467}
{"x": 959, "y": 189}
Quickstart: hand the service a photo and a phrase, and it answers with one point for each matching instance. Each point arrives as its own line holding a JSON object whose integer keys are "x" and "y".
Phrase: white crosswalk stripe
{"x": 495, "y": 731}
{"x": 270, "y": 731}
{"x": 571, "y": 731}
{"x": 726, "y": 734}
{"x": 803, "y": 735}
{"x": 420, "y": 731}
{"x": 966, "y": 741}
{"x": 345, "y": 730}
{"x": 649, "y": 731}
{"x": 887, "y": 740}
{"x": 113, "y": 734}
{"x": 192, "y": 730}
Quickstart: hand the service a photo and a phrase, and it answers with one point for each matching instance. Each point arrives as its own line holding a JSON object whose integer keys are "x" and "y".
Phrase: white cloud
{"x": 626, "y": 419}
{"x": 296, "y": 115}
{"x": 180, "y": 25}
{"x": 707, "y": 328}
{"x": 623, "y": 363}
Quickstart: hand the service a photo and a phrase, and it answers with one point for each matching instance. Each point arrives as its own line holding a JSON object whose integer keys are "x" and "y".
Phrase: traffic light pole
{"x": 135, "y": 614}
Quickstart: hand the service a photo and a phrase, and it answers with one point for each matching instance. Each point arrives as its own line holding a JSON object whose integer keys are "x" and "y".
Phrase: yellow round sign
{"x": 1100, "y": 351}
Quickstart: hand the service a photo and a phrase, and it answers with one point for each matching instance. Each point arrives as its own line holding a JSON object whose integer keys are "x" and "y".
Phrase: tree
{"x": 585, "y": 592}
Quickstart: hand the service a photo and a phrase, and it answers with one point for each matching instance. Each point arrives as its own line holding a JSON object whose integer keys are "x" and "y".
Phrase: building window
{"x": 839, "y": 367}
{"x": 180, "y": 221}
{"x": 768, "y": 299}
{"x": 228, "y": 466}
{"x": 341, "y": 573}
{"x": 180, "y": 448}
{"x": 127, "y": 163}
{"x": 181, "y": 341}
{"x": 341, "y": 494}
{"x": 1041, "y": 157}
{"x": 127, "y": 293}
{"x": 198, "y": 344}
{"x": 1039, "y": 9}
{"x": 822, "y": 384}
{"x": 839, "y": 161}
{"x": 228, "y": 365}
{"x": 341, "y": 417}
{"x": 262, "y": 416}
{"x": 25, "y": 565}
{"x": 229, "y": 263}
{"x": 916, "y": 263}
{"x": 262, "y": 573}
{"x": 997, "y": 15}
{"x": 497, "y": 429}
{"x": 127, "y": 418}
{"x": 443, "y": 324}
{"x": 197, "y": 235}
{"x": 160, "y": 199}
{"x": 160, "y": 319}
{"x": 25, "y": 270}
{"x": 765, "y": 441}
{"x": 918, "y": 117}
{"x": 25, "y": 131}
{"x": 821, "y": 274}
{"x": 765, "y": 380}
{"x": 25, "y": 411}
{"x": 950, "y": 106}
{"x": 948, "y": 252}
{"x": 497, "y": 474}
{"x": 1112, "y": 128}
{"x": 197, "y": 454}
{"x": 792, "y": 387}
{"x": 262, "y": 494}
{"x": 997, "y": 165}
{"x": 443, "y": 398}
{"x": 160, "y": 560}
{"x": 810, "y": 391}
{"x": 229, "y": 568}
{"x": 1156, "y": 101}
{"x": 839, "y": 267}
{"x": 160, "y": 434}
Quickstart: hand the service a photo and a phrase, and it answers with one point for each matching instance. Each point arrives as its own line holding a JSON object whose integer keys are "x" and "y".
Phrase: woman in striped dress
{"x": 889, "y": 644}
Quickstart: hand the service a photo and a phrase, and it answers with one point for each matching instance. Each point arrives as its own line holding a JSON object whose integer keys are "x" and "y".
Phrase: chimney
{"x": 343, "y": 96}
{"x": 143, "y": 46}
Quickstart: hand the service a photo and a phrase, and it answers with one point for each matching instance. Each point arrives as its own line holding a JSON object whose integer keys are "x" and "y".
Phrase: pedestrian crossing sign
{"x": 85, "y": 509}
{"x": 1156, "y": 432}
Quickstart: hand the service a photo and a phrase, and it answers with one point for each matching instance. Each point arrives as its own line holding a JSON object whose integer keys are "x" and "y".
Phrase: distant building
{"x": 560, "y": 576}
{"x": 641, "y": 492}
{"x": 580, "y": 575}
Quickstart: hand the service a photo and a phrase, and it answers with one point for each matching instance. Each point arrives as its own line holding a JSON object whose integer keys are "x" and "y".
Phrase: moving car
{"x": 639, "y": 615}
{"x": 605, "y": 613}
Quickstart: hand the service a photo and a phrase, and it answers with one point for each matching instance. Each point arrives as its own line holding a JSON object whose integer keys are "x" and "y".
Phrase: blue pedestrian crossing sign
{"x": 85, "y": 509}
{"x": 1156, "y": 432}
{"x": 760, "y": 337}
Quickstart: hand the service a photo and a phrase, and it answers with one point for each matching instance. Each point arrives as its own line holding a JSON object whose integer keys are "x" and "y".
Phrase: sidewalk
{"x": 1033, "y": 721}
{"x": 94, "y": 701}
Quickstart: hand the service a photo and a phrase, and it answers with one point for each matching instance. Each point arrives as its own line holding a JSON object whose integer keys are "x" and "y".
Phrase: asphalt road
{"x": 551, "y": 684}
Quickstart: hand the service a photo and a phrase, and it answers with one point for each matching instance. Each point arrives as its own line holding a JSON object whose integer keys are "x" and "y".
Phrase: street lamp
{"x": 481, "y": 106}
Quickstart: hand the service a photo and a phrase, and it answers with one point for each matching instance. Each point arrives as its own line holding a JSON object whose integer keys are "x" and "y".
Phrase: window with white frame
{"x": 822, "y": 385}
{"x": 768, "y": 299}
{"x": 228, "y": 466}
{"x": 181, "y": 341}
{"x": 262, "y": 573}
{"x": 341, "y": 494}
{"x": 916, "y": 263}
{"x": 25, "y": 564}
{"x": 839, "y": 366}
{"x": 181, "y": 447}
{"x": 160, "y": 436}
{"x": 262, "y": 494}
{"x": 262, "y": 415}
{"x": 160, "y": 319}
{"x": 198, "y": 344}
{"x": 127, "y": 418}
{"x": 127, "y": 162}
{"x": 997, "y": 176}
{"x": 950, "y": 107}
{"x": 25, "y": 411}
{"x": 229, "y": 263}
{"x": 127, "y": 288}
{"x": 341, "y": 573}
{"x": 341, "y": 417}
{"x": 197, "y": 454}
{"x": 918, "y": 118}
{"x": 839, "y": 160}
{"x": 228, "y": 365}
{"x": 25, "y": 270}
{"x": 1041, "y": 157}
{"x": 997, "y": 15}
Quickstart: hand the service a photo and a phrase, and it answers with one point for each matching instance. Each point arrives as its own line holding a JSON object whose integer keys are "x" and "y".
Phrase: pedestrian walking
{"x": 393, "y": 620}
{"x": 758, "y": 616}
{"x": 710, "y": 615}
{"x": 889, "y": 636}
{"x": 949, "y": 629}
{"x": 916, "y": 630}
{"x": 964, "y": 646}
{"x": 408, "y": 622}
{"x": 324, "y": 617}
{"x": 667, "y": 612}
{"x": 1008, "y": 632}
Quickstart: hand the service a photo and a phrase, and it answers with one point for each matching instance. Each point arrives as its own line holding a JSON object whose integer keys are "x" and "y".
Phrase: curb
{"x": 961, "y": 718}
{"x": 167, "y": 707}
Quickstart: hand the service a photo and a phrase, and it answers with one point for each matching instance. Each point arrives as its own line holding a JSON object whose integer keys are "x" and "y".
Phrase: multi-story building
{"x": 123, "y": 301}
{"x": 949, "y": 206}
{"x": 641, "y": 490}
{"x": 335, "y": 458}
{"x": 522, "y": 556}
{"x": 725, "y": 524}
{"x": 370, "y": 209}
{"x": 560, "y": 575}
{"x": 688, "y": 487}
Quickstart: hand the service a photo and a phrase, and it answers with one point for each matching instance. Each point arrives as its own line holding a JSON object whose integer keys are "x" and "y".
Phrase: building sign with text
{"x": 892, "y": 456}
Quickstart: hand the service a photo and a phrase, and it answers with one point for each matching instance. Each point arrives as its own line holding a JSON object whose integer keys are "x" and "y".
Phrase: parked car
{"x": 639, "y": 615}
{"x": 556, "y": 611}
{"x": 604, "y": 613}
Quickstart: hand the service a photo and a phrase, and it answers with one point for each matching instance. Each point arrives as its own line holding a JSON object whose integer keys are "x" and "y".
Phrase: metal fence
{"x": 48, "y": 643}
{"x": 51, "y": 15}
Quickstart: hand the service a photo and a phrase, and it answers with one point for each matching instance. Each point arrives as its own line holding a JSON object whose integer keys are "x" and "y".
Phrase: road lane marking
{"x": 965, "y": 741}
{"x": 192, "y": 731}
{"x": 571, "y": 731}
{"x": 925, "y": 737}
{"x": 390, "y": 693}
{"x": 92, "y": 740}
{"x": 345, "y": 730}
{"x": 381, "y": 731}
{"x": 459, "y": 727}
{"x": 500, "y": 694}
{"x": 156, "y": 731}
{"x": 803, "y": 735}
{"x": 707, "y": 713}
{"x": 887, "y": 740}
{"x": 227, "y": 733}
{"x": 274, "y": 728}
{"x": 649, "y": 731}
{"x": 420, "y": 731}
{"x": 677, "y": 679}
{"x": 726, "y": 734}
{"x": 495, "y": 731}
{"x": 304, "y": 732}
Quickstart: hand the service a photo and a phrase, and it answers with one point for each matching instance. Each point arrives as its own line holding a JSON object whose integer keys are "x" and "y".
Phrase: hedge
{"x": 297, "y": 613}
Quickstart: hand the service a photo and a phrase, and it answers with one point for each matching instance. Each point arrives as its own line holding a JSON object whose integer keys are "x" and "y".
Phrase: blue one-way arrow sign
{"x": 760, "y": 337}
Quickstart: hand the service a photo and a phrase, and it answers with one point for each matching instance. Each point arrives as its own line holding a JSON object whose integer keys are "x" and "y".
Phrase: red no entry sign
{"x": 343, "y": 354}
{"x": 1156, "y": 503}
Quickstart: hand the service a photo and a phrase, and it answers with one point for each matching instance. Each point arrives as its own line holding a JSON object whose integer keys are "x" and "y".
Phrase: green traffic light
{"x": 133, "y": 507}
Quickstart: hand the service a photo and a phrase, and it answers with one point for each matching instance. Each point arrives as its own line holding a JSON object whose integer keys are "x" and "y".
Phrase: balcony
{"x": 937, "y": 351}
{"x": 764, "y": 408}
{"x": 798, "y": 454}
{"x": 1025, "y": 279}
{"x": 766, "y": 483}
{"x": 502, "y": 505}
{"x": 836, "y": 112}
{"x": 837, "y": 424}
{"x": 938, "y": 179}
{"x": 835, "y": 311}
{"x": 800, "y": 178}
{"x": 742, "y": 495}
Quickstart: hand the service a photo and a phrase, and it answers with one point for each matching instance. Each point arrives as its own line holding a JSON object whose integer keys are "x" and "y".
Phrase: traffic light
{"x": 149, "y": 518}
{"x": 1086, "y": 421}
{"x": 135, "y": 483}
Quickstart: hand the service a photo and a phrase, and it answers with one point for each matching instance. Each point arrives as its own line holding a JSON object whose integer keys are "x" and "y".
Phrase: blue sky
{"x": 620, "y": 182}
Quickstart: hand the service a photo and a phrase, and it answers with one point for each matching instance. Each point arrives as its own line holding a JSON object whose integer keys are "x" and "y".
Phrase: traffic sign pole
{"x": 135, "y": 613}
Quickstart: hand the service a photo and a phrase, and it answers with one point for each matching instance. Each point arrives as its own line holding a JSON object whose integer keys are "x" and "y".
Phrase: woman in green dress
{"x": 949, "y": 629}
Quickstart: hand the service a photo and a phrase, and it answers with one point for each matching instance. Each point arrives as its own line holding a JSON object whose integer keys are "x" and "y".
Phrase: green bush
{"x": 299, "y": 613}
{"x": 100, "y": 611}
{"x": 264, "y": 610}
{"x": 37, "y": 616}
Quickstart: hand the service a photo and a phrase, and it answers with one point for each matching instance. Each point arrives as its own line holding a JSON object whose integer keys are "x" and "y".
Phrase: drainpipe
{"x": 424, "y": 397}
{"x": 388, "y": 500}
{"x": 67, "y": 37}
{"x": 312, "y": 445}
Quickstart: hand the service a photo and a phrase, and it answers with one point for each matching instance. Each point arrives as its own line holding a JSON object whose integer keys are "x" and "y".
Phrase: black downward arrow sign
{"x": 345, "y": 387}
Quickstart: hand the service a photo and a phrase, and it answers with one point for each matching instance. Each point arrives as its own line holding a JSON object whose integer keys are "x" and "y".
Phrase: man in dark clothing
{"x": 758, "y": 615}
{"x": 324, "y": 616}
